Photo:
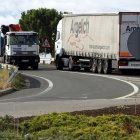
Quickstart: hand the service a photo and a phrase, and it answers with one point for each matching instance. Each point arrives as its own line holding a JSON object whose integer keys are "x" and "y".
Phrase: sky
{"x": 10, "y": 10}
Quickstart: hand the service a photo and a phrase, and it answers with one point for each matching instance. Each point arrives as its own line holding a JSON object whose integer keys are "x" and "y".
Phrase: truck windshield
{"x": 24, "y": 40}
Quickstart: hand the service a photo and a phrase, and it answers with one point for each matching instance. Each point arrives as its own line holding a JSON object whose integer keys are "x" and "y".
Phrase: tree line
{"x": 44, "y": 21}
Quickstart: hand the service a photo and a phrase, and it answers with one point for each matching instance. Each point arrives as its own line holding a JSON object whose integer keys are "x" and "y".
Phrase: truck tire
{"x": 59, "y": 64}
{"x": 35, "y": 66}
{"x": 94, "y": 66}
{"x": 106, "y": 66}
{"x": 100, "y": 66}
{"x": 5, "y": 59}
{"x": 2, "y": 59}
{"x": 87, "y": 69}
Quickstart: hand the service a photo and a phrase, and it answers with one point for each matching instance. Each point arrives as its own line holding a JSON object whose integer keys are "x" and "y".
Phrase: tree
{"x": 4, "y": 29}
{"x": 44, "y": 21}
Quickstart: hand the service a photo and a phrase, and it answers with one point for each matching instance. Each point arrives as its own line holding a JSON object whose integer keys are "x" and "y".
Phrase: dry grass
{"x": 4, "y": 76}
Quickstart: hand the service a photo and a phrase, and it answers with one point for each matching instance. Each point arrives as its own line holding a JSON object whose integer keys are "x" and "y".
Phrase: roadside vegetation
{"x": 4, "y": 76}
{"x": 17, "y": 83}
{"x": 65, "y": 126}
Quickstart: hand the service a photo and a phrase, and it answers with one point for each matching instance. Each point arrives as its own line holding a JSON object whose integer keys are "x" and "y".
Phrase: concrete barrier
{"x": 45, "y": 60}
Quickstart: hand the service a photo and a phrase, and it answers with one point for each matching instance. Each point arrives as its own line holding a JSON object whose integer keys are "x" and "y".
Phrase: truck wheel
{"x": 100, "y": 66}
{"x": 87, "y": 69}
{"x": 106, "y": 66}
{"x": 94, "y": 66}
{"x": 5, "y": 59}
{"x": 35, "y": 66}
{"x": 59, "y": 64}
{"x": 2, "y": 59}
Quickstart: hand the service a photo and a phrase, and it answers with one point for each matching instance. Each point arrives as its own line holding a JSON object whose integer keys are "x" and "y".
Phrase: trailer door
{"x": 130, "y": 35}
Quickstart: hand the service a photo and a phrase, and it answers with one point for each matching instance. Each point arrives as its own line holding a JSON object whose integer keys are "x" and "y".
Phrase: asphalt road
{"x": 49, "y": 90}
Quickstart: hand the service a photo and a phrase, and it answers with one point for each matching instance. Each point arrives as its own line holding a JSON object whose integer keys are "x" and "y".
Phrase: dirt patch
{"x": 128, "y": 110}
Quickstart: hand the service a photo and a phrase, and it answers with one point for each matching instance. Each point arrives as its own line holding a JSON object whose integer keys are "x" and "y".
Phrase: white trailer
{"x": 99, "y": 42}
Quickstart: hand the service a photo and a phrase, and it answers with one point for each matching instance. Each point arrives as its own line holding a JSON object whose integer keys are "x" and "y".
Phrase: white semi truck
{"x": 21, "y": 48}
{"x": 99, "y": 42}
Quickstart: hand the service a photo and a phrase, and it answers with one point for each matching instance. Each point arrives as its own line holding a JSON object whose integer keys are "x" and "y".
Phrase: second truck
{"x": 19, "y": 48}
{"x": 99, "y": 42}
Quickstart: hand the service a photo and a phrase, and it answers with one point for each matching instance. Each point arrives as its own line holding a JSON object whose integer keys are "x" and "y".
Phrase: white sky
{"x": 10, "y": 10}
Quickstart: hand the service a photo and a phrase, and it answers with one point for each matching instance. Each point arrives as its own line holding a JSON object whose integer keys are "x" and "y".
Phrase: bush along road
{"x": 112, "y": 123}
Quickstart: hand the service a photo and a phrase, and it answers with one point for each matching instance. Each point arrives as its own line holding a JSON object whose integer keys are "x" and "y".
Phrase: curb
{"x": 6, "y": 91}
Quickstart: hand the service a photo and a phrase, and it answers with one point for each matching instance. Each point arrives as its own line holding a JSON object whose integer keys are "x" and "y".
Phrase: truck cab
{"x": 58, "y": 42}
{"x": 21, "y": 49}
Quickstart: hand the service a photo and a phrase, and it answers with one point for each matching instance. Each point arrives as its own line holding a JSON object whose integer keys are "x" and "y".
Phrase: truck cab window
{"x": 13, "y": 40}
{"x": 24, "y": 40}
{"x": 32, "y": 40}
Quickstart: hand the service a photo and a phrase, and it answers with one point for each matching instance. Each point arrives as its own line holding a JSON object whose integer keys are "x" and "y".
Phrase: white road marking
{"x": 41, "y": 93}
{"x": 135, "y": 91}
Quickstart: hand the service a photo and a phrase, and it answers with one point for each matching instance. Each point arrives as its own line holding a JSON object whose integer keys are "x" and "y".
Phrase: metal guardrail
{"x": 11, "y": 75}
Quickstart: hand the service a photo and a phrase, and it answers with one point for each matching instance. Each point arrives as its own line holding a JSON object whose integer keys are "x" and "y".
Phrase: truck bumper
{"x": 29, "y": 60}
{"x": 129, "y": 65}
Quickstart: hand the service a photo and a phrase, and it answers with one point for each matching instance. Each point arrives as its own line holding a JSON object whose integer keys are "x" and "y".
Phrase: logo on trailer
{"x": 79, "y": 33}
{"x": 81, "y": 27}
{"x": 131, "y": 29}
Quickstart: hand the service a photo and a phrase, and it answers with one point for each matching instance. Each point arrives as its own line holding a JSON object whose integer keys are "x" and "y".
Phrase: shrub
{"x": 8, "y": 128}
{"x": 18, "y": 82}
{"x": 65, "y": 126}
{"x": 6, "y": 123}
{"x": 9, "y": 135}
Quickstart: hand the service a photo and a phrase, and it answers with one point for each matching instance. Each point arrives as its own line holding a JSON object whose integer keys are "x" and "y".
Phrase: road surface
{"x": 49, "y": 90}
